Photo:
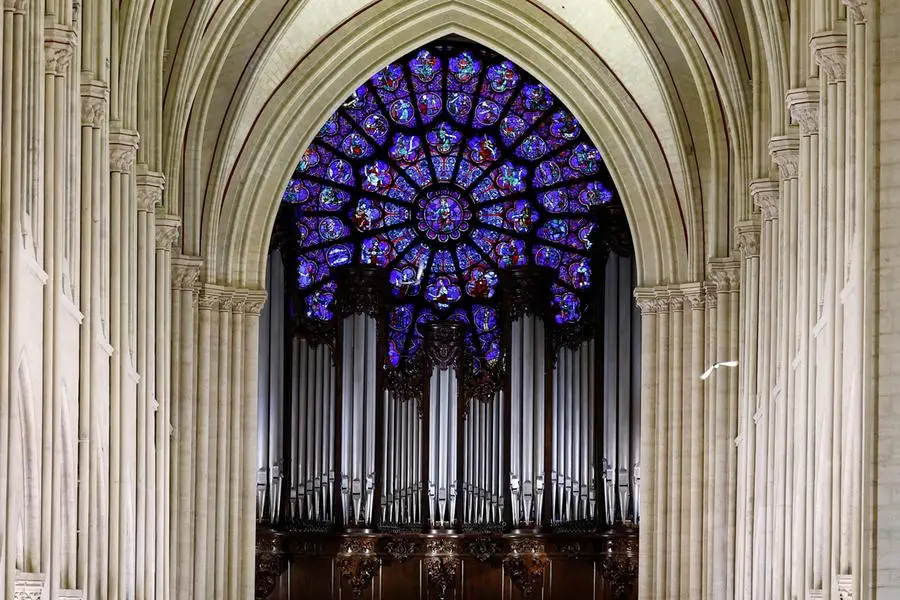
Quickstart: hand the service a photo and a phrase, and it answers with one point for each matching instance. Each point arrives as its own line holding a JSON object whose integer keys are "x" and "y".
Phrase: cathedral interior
{"x": 449, "y": 299}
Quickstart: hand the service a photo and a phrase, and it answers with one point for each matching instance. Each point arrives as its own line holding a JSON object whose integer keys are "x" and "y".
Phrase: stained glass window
{"x": 446, "y": 167}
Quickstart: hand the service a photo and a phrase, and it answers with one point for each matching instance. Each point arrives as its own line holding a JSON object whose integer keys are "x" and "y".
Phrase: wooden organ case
{"x": 439, "y": 480}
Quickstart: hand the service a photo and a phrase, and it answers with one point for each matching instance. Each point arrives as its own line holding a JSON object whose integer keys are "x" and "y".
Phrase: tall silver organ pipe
{"x": 402, "y": 472}
{"x": 527, "y": 394}
{"x": 483, "y": 478}
{"x": 359, "y": 386}
{"x": 442, "y": 492}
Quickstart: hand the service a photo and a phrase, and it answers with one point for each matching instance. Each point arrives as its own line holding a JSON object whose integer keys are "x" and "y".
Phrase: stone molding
{"x": 664, "y": 299}
{"x": 766, "y": 194}
{"x": 254, "y": 301}
{"x": 747, "y": 235}
{"x": 150, "y": 186}
{"x": 858, "y": 9}
{"x": 94, "y": 104}
{"x": 17, "y": 7}
{"x": 803, "y": 104}
{"x": 168, "y": 229}
{"x": 844, "y": 587}
{"x": 785, "y": 151}
{"x": 28, "y": 586}
{"x": 59, "y": 47}
{"x": 830, "y": 52}
{"x": 123, "y": 146}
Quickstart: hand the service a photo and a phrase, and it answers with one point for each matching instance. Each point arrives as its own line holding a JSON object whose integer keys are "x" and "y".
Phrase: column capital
{"x": 254, "y": 300}
{"x": 150, "y": 186}
{"x": 695, "y": 296}
{"x": 858, "y": 9}
{"x": 845, "y": 587}
{"x": 94, "y": 103}
{"x": 747, "y": 235}
{"x": 655, "y": 300}
{"x": 830, "y": 51}
{"x": 803, "y": 104}
{"x": 59, "y": 47}
{"x": 785, "y": 151}
{"x": 123, "y": 145}
{"x": 186, "y": 272}
{"x": 167, "y": 231}
{"x": 765, "y": 194}
{"x": 15, "y": 6}
{"x": 725, "y": 273}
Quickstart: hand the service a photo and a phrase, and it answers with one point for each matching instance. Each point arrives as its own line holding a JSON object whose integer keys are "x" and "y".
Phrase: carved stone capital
{"x": 803, "y": 104}
{"x": 441, "y": 565}
{"x": 830, "y": 51}
{"x": 185, "y": 273}
{"x": 652, "y": 301}
{"x": 210, "y": 297}
{"x": 858, "y": 9}
{"x": 17, "y": 7}
{"x": 844, "y": 587}
{"x": 59, "y": 46}
{"x": 765, "y": 194}
{"x": 526, "y": 564}
{"x": 444, "y": 345}
{"x": 747, "y": 234}
{"x": 785, "y": 151}
{"x": 254, "y": 302}
{"x": 695, "y": 297}
{"x": 676, "y": 301}
{"x": 150, "y": 186}
{"x": 123, "y": 146}
{"x": 94, "y": 104}
{"x": 482, "y": 548}
{"x": 167, "y": 232}
{"x": 28, "y": 586}
{"x": 358, "y": 563}
{"x": 725, "y": 273}
{"x": 712, "y": 298}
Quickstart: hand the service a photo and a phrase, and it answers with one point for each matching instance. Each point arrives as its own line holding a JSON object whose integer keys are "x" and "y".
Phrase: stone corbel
{"x": 441, "y": 564}
{"x": 150, "y": 186}
{"x": 803, "y": 104}
{"x": 765, "y": 194}
{"x": 830, "y": 52}
{"x": 358, "y": 564}
{"x": 858, "y": 9}
{"x": 94, "y": 103}
{"x": 123, "y": 146}
{"x": 59, "y": 46}
{"x": 785, "y": 151}
{"x": 526, "y": 564}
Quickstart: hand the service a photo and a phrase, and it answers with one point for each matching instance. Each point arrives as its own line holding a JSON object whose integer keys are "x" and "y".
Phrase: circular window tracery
{"x": 446, "y": 167}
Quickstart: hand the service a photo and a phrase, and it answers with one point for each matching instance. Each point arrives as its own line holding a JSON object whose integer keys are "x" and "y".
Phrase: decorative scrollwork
{"x": 526, "y": 564}
{"x": 441, "y": 564}
{"x": 271, "y": 562}
{"x": 482, "y": 548}
{"x": 444, "y": 344}
{"x": 405, "y": 383}
{"x": 400, "y": 549}
{"x": 358, "y": 563}
{"x": 571, "y": 335}
{"x": 570, "y": 549}
{"x": 619, "y": 564}
{"x": 482, "y": 385}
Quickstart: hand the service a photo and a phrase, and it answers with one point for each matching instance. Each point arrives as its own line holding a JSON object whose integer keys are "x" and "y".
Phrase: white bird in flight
{"x": 724, "y": 363}
{"x": 419, "y": 274}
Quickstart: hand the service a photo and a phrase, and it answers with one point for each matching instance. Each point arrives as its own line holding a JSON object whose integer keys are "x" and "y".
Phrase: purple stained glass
{"x": 447, "y": 167}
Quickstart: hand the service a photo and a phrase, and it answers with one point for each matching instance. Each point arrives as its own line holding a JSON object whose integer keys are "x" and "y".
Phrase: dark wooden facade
{"x": 302, "y": 566}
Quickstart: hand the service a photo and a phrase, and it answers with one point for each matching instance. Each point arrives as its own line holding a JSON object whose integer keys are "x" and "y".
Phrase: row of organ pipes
{"x": 525, "y": 458}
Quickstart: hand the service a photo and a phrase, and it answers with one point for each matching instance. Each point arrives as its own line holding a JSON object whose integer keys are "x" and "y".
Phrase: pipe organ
{"x": 537, "y": 435}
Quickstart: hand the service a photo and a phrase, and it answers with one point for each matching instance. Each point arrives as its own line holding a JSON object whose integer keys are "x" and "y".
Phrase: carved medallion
{"x": 443, "y": 344}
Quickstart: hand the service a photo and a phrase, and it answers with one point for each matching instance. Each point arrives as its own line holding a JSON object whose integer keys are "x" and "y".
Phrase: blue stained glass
{"x": 447, "y": 167}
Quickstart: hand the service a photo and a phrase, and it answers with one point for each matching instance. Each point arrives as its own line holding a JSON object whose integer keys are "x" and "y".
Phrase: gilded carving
{"x": 482, "y": 548}
{"x": 526, "y": 564}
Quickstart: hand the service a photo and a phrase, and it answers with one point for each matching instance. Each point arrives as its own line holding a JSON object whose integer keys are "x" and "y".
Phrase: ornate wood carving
{"x": 441, "y": 565}
{"x": 358, "y": 563}
{"x": 482, "y": 385}
{"x": 525, "y": 291}
{"x": 405, "y": 383}
{"x": 483, "y": 549}
{"x": 444, "y": 345}
{"x": 612, "y": 233}
{"x": 271, "y": 562}
{"x": 619, "y": 564}
{"x": 360, "y": 290}
{"x": 570, "y": 549}
{"x": 400, "y": 549}
{"x": 526, "y": 564}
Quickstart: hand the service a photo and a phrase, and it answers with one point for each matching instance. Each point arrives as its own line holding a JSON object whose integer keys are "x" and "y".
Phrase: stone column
{"x": 94, "y": 348}
{"x": 149, "y": 195}
{"x": 747, "y": 234}
{"x": 649, "y": 307}
{"x": 167, "y": 230}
